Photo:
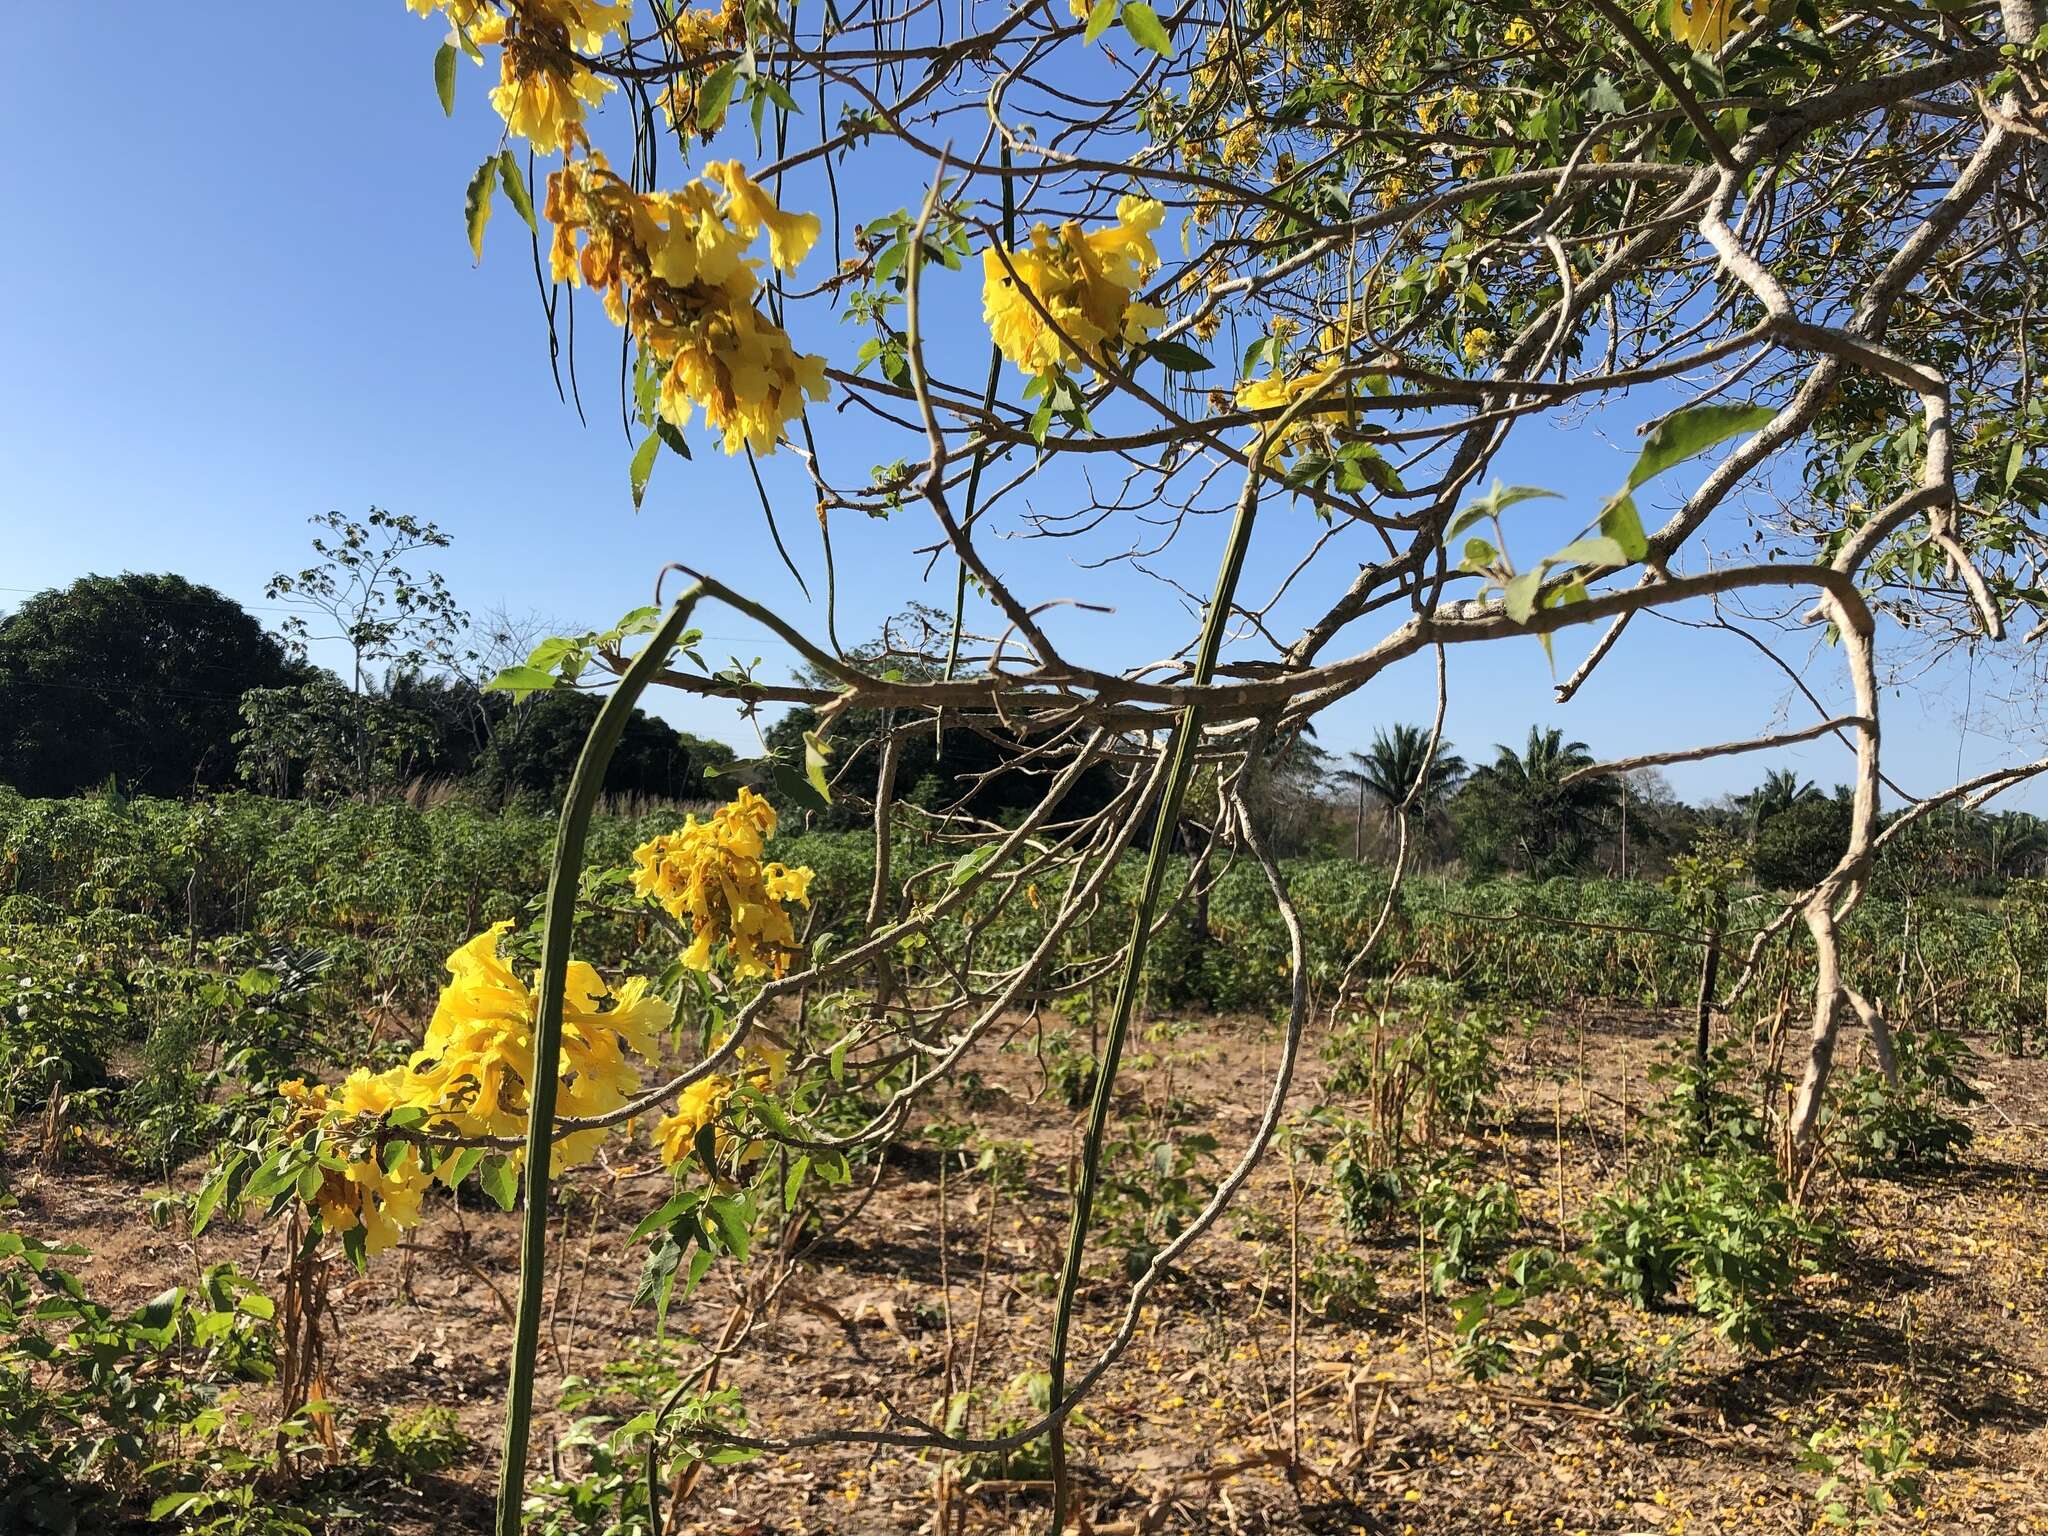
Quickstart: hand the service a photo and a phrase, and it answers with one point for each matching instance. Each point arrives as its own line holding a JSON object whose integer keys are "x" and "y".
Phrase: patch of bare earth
{"x": 1232, "y": 1411}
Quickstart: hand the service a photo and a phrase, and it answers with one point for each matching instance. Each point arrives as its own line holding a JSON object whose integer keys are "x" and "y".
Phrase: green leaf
{"x": 968, "y": 863}
{"x": 1143, "y": 25}
{"x": 668, "y": 432}
{"x": 667, "y": 1212}
{"x": 1178, "y": 356}
{"x": 1600, "y": 550}
{"x": 643, "y": 465}
{"x": 714, "y": 93}
{"x": 1495, "y": 502}
{"x": 794, "y": 787}
{"x": 816, "y": 751}
{"x": 1479, "y": 555}
{"x": 500, "y": 1180}
{"x": 1100, "y": 15}
{"x": 476, "y": 205}
{"x": 444, "y": 77}
{"x": 1689, "y": 432}
{"x": 514, "y": 182}
{"x": 520, "y": 681}
{"x": 1620, "y": 522}
{"x": 2015, "y": 461}
{"x": 1519, "y": 597}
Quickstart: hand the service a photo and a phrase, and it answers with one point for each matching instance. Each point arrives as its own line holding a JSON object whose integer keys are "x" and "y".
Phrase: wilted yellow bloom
{"x": 1084, "y": 280}
{"x": 711, "y": 873}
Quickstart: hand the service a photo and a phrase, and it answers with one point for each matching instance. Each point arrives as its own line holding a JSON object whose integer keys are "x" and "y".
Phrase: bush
{"x": 1722, "y": 1225}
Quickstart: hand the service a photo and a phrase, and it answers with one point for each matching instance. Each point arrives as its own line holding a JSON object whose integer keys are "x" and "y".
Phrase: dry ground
{"x": 1938, "y": 1299}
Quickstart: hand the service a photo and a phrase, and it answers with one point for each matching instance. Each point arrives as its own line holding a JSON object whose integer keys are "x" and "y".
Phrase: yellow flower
{"x": 790, "y": 235}
{"x": 1083, "y": 280}
{"x": 1478, "y": 344}
{"x": 698, "y": 1106}
{"x": 476, "y": 1062}
{"x": 711, "y": 873}
{"x": 1518, "y": 33}
{"x": 1275, "y": 392}
{"x": 544, "y": 85}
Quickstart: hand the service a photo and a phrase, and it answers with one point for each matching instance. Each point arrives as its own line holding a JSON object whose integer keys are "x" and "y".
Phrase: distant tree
{"x": 136, "y": 678}
{"x": 1780, "y": 791}
{"x": 1392, "y": 766}
{"x": 536, "y": 748}
{"x": 2014, "y": 844}
{"x": 1800, "y": 842}
{"x": 961, "y": 765}
{"x": 1519, "y": 809}
{"x": 318, "y": 738}
{"x": 361, "y": 592}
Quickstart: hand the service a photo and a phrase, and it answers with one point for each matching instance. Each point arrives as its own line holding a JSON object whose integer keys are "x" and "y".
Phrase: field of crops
{"x": 1523, "y": 1259}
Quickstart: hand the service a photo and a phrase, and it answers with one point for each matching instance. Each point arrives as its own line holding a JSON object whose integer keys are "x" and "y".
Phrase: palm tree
{"x": 1398, "y": 761}
{"x": 1552, "y": 820}
{"x": 2013, "y": 841}
{"x": 1781, "y": 790}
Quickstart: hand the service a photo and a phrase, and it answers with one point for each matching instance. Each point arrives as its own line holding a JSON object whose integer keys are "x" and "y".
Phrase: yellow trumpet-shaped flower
{"x": 545, "y": 86}
{"x": 476, "y": 1061}
{"x": 1309, "y": 428}
{"x": 703, "y": 1102}
{"x": 790, "y": 235}
{"x": 711, "y": 874}
{"x": 1071, "y": 298}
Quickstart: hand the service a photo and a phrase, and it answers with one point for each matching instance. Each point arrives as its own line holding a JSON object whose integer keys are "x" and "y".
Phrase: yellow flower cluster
{"x": 711, "y": 873}
{"x": 670, "y": 265}
{"x": 693, "y": 36}
{"x": 544, "y": 86}
{"x": 1310, "y": 429}
{"x": 672, "y": 268}
{"x": 702, "y": 1103}
{"x": 1083, "y": 280}
{"x": 470, "y": 1077}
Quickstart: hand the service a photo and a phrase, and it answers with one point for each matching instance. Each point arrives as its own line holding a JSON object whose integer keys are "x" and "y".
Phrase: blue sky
{"x": 239, "y": 294}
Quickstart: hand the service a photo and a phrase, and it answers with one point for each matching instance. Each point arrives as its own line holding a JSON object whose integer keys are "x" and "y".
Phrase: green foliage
{"x": 129, "y": 679}
{"x": 60, "y": 1016}
{"x": 413, "y": 1445}
{"x": 1457, "y": 1215}
{"x": 1720, "y": 1224}
{"x": 1871, "y": 1471}
{"x": 1913, "y": 1126}
{"x": 1150, "y": 1190}
{"x": 92, "y": 1400}
{"x": 1796, "y": 846}
{"x": 645, "y": 1400}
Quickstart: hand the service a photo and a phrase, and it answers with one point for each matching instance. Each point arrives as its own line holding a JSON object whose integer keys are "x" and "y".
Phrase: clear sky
{"x": 239, "y": 294}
